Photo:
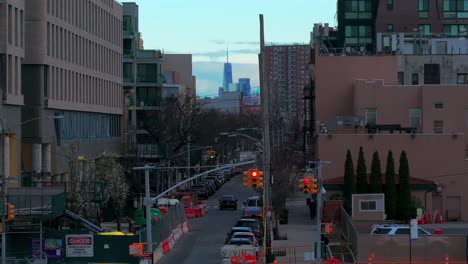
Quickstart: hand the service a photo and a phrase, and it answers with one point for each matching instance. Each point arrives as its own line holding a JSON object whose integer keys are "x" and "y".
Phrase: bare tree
{"x": 77, "y": 170}
{"x": 173, "y": 123}
{"x": 108, "y": 170}
{"x": 100, "y": 179}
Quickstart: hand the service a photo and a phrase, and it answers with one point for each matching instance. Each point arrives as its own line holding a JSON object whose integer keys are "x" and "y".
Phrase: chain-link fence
{"x": 163, "y": 227}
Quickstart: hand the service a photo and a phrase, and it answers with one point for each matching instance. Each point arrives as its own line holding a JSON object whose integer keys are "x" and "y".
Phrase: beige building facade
{"x": 63, "y": 69}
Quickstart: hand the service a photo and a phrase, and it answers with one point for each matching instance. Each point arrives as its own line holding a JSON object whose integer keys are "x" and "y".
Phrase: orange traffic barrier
{"x": 235, "y": 260}
{"x": 163, "y": 209}
{"x": 166, "y": 247}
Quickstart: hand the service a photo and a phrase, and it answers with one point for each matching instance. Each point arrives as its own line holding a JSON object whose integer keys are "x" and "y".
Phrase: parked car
{"x": 235, "y": 230}
{"x": 228, "y": 201}
{"x": 248, "y": 235}
{"x": 396, "y": 229}
{"x": 253, "y": 207}
{"x": 253, "y": 224}
{"x": 201, "y": 191}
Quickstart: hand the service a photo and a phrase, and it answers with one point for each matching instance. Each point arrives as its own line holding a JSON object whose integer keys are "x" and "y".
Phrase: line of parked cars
{"x": 211, "y": 183}
{"x": 245, "y": 236}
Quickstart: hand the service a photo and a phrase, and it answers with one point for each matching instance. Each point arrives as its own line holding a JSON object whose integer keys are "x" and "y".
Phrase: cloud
{"x": 257, "y": 43}
{"x": 223, "y": 42}
{"x": 222, "y": 53}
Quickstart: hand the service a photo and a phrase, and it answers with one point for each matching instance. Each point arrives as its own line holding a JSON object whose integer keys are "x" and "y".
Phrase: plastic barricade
{"x": 187, "y": 201}
{"x": 198, "y": 212}
{"x": 190, "y": 212}
{"x": 235, "y": 260}
{"x": 163, "y": 209}
{"x": 166, "y": 247}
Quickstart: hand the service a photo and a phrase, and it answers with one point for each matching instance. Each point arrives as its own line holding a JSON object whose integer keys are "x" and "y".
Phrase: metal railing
{"x": 349, "y": 232}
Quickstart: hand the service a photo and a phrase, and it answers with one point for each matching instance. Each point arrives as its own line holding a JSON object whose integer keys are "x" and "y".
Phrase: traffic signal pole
{"x": 319, "y": 210}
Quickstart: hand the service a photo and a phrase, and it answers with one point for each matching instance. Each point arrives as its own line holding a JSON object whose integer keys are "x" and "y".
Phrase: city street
{"x": 208, "y": 233}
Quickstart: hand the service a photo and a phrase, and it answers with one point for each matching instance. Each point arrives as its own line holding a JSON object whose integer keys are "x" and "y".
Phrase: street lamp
{"x": 4, "y": 176}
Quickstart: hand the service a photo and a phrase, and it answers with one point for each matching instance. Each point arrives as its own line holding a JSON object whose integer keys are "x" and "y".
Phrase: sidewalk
{"x": 301, "y": 231}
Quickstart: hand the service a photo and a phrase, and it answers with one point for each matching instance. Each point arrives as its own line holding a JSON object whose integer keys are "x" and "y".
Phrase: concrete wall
{"x": 450, "y": 65}
{"x": 181, "y": 63}
{"x": 335, "y": 76}
{"x": 393, "y": 103}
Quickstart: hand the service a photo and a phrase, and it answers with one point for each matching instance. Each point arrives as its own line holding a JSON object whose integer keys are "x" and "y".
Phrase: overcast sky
{"x": 205, "y": 28}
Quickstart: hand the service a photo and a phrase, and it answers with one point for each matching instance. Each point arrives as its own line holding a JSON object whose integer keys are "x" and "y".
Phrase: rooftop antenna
{"x": 227, "y": 53}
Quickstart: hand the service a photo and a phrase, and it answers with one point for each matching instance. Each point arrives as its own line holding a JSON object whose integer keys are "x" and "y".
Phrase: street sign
{"x": 148, "y": 257}
{"x": 79, "y": 245}
{"x": 414, "y": 229}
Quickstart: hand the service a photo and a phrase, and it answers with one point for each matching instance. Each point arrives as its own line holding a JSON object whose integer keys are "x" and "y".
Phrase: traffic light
{"x": 247, "y": 182}
{"x": 260, "y": 179}
{"x": 10, "y": 212}
{"x": 327, "y": 228}
{"x": 254, "y": 176}
{"x": 253, "y": 179}
{"x": 305, "y": 185}
{"x": 313, "y": 186}
{"x": 212, "y": 154}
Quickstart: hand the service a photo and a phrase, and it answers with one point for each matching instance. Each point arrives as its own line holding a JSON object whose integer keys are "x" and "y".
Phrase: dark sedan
{"x": 228, "y": 201}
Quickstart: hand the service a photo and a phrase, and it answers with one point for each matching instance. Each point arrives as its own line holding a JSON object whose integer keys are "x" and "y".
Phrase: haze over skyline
{"x": 207, "y": 28}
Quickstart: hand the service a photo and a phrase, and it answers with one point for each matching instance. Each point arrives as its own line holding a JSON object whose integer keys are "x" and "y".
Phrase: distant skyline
{"x": 207, "y": 28}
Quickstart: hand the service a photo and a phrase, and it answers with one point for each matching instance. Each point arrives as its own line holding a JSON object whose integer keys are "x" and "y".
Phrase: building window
{"x": 389, "y": 27}
{"x": 424, "y": 29}
{"x": 358, "y": 9}
{"x": 371, "y": 116}
{"x": 415, "y": 117}
{"x": 415, "y": 79}
{"x": 368, "y": 205}
{"x": 438, "y": 126}
{"x": 455, "y": 8}
{"x": 439, "y": 105}
{"x": 401, "y": 78}
{"x": 455, "y": 30}
{"x": 127, "y": 23}
{"x": 431, "y": 74}
{"x": 462, "y": 78}
{"x": 423, "y": 8}
{"x": 358, "y": 34}
{"x": 389, "y": 4}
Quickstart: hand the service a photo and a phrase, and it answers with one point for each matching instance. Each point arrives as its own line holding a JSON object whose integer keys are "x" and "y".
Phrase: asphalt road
{"x": 208, "y": 233}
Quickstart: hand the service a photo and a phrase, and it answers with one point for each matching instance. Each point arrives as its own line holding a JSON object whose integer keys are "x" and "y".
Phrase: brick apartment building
{"x": 286, "y": 73}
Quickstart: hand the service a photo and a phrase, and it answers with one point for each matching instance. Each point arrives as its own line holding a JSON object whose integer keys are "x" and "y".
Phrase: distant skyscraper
{"x": 227, "y": 73}
{"x": 244, "y": 86}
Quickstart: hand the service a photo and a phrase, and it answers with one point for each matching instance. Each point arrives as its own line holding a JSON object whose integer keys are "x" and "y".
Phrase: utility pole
{"x": 318, "y": 174}
{"x": 4, "y": 189}
{"x": 188, "y": 156}
{"x": 264, "y": 93}
{"x": 319, "y": 210}
{"x": 149, "y": 238}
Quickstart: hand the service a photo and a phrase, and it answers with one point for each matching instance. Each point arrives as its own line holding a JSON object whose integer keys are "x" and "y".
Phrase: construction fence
{"x": 104, "y": 248}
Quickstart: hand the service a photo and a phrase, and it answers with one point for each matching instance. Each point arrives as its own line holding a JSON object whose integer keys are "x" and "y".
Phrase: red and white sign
{"x": 79, "y": 245}
{"x": 148, "y": 255}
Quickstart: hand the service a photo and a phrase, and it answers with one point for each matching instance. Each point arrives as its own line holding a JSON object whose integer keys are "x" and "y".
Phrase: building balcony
{"x": 154, "y": 104}
{"x": 148, "y": 54}
{"x": 128, "y": 53}
{"x": 129, "y": 79}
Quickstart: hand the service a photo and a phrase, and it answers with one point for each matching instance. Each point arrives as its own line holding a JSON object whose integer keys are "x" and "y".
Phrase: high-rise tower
{"x": 227, "y": 73}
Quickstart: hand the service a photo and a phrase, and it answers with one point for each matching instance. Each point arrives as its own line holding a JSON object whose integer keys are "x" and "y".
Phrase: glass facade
{"x": 89, "y": 126}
